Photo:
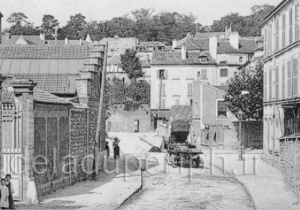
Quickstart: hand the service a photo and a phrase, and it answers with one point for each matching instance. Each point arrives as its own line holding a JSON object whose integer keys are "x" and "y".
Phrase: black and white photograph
{"x": 150, "y": 104}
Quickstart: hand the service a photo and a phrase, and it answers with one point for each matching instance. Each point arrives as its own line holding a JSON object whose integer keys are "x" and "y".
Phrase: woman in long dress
{"x": 4, "y": 195}
{"x": 10, "y": 191}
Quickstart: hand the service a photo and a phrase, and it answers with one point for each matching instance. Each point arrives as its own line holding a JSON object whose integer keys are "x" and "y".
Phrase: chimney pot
{"x": 174, "y": 44}
{"x": 66, "y": 41}
{"x": 80, "y": 41}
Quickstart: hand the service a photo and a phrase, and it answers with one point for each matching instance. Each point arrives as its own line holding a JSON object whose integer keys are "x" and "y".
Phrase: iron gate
{"x": 12, "y": 135}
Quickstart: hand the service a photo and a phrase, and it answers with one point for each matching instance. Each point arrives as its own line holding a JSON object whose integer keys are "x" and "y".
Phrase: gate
{"x": 12, "y": 146}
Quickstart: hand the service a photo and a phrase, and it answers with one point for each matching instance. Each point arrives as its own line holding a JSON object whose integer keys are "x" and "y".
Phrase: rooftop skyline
{"x": 205, "y": 10}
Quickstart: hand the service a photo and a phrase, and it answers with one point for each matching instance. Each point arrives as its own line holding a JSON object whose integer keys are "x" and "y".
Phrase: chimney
{"x": 42, "y": 36}
{"x": 1, "y": 27}
{"x": 66, "y": 41}
{"x": 147, "y": 59}
{"x": 234, "y": 40}
{"x": 88, "y": 38}
{"x": 116, "y": 36}
{"x": 80, "y": 41}
{"x": 213, "y": 46}
{"x": 183, "y": 52}
{"x": 174, "y": 44}
{"x": 7, "y": 36}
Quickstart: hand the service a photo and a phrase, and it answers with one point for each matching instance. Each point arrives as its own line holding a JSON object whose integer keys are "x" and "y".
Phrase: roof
{"x": 174, "y": 58}
{"x": 245, "y": 46}
{"x": 224, "y": 88}
{"x": 209, "y": 34}
{"x": 30, "y": 39}
{"x": 180, "y": 113}
{"x": 38, "y": 95}
{"x": 44, "y": 52}
{"x": 279, "y": 6}
{"x": 119, "y": 45}
{"x": 116, "y": 60}
{"x": 154, "y": 43}
{"x": 70, "y": 42}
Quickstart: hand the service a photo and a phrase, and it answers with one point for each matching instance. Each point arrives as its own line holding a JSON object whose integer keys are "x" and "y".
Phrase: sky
{"x": 205, "y": 10}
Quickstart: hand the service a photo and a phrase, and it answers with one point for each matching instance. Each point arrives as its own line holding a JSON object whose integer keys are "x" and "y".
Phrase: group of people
{"x": 115, "y": 147}
{"x": 6, "y": 191}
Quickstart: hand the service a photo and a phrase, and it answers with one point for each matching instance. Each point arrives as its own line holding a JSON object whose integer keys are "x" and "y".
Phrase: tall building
{"x": 281, "y": 74}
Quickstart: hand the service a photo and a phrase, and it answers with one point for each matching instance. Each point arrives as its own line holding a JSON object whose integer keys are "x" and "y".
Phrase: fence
{"x": 290, "y": 163}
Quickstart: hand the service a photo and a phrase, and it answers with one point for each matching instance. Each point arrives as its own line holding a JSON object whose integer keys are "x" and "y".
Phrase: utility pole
{"x": 161, "y": 75}
{"x": 101, "y": 102}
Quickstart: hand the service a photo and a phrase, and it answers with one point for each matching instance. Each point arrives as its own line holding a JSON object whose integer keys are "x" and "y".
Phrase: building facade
{"x": 281, "y": 74}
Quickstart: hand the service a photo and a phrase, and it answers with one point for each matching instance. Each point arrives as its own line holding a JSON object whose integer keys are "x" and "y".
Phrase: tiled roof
{"x": 114, "y": 60}
{"x": 174, "y": 58}
{"x": 38, "y": 95}
{"x": 44, "y": 52}
{"x": 180, "y": 113}
{"x": 31, "y": 39}
{"x": 154, "y": 43}
{"x": 209, "y": 34}
{"x": 224, "y": 88}
{"x": 245, "y": 46}
{"x": 119, "y": 45}
{"x": 70, "y": 42}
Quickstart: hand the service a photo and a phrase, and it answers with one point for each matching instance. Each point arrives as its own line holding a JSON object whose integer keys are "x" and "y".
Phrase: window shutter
{"x": 266, "y": 43}
{"x": 270, "y": 85}
{"x": 277, "y": 35}
{"x": 297, "y": 21}
{"x": 166, "y": 74}
{"x": 277, "y": 82}
{"x": 291, "y": 27}
{"x": 295, "y": 77}
{"x": 283, "y": 31}
{"x": 265, "y": 86}
{"x": 283, "y": 81}
{"x": 190, "y": 91}
{"x": 289, "y": 79}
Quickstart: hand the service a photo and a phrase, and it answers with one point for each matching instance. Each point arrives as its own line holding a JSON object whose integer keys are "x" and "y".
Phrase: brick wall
{"x": 124, "y": 121}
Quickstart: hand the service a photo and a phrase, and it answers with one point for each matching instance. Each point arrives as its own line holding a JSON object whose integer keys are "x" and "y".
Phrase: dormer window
{"x": 203, "y": 58}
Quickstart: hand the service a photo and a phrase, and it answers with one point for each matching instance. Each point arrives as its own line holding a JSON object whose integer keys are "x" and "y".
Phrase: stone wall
{"x": 51, "y": 146}
{"x": 122, "y": 120}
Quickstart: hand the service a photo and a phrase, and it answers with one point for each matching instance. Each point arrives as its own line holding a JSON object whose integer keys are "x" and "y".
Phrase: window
{"x": 283, "y": 80}
{"x": 266, "y": 43}
{"x": 277, "y": 35}
{"x": 297, "y": 21}
{"x": 289, "y": 79}
{"x": 177, "y": 102}
{"x": 190, "y": 89}
{"x": 295, "y": 77}
{"x": 241, "y": 59}
{"x": 265, "y": 86}
{"x": 161, "y": 74}
{"x": 191, "y": 102}
{"x": 277, "y": 82}
{"x": 163, "y": 103}
{"x": 204, "y": 73}
{"x": 163, "y": 89}
{"x": 291, "y": 26}
{"x": 270, "y": 84}
{"x": 283, "y": 31}
{"x": 270, "y": 39}
{"x": 224, "y": 72}
{"x": 203, "y": 59}
{"x": 222, "y": 109}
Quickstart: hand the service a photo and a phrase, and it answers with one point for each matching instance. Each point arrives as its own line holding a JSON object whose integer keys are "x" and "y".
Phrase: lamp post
{"x": 161, "y": 76}
{"x": 240, "y": 116}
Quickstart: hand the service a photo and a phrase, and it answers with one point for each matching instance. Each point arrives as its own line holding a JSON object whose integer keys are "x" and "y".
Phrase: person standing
{"x": 4, "y": 203}
{"x": 10, "y": 191}
{"x": 116, "y": 150}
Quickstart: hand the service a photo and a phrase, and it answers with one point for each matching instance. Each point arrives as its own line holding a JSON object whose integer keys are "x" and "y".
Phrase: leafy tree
{"x": 75, "y": 27}
{"x": 27, "y": 29}
{"x": 17, "y": 18}
{"x": 131, "y": 64}
{"x": 251, "y": 104}
{"x": 48, "y": 24}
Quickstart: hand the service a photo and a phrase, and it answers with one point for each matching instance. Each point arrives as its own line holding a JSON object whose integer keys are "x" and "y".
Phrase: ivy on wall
{"x": 131, "y": 95}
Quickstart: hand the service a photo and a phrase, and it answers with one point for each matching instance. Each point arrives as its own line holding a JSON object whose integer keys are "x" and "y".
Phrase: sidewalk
{"x": 109, "y": 192}
{"x": 266, "y": 187}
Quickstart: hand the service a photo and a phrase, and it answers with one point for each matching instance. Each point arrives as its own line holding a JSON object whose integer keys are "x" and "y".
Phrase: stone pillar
{"x": 23, "y": 90}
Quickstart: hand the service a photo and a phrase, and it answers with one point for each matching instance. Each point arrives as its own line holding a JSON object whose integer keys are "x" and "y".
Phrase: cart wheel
{"x": 197, "y": 161}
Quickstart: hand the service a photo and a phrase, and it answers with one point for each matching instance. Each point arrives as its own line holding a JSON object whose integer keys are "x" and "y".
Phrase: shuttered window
{"x": 270, "y": 84}
{"x": 295, "y": 77}
{"x": 283, "y": 31}
{"x": 291, "y": 26}
{"x": 283, "y": 88}
{"x": 265, "y": 86}
{"x": 204, "y": 73}
{"x": 277, "y": 82}
{"x": 190, "y": 89}
{"x": 277, "y": 35}
{"x": 297, "y": 21}
{"x": 266, "y": 42}
{"x": 177, "y": 102}
{"x": 270, "y": 40}
{"x": 289, "y": 79}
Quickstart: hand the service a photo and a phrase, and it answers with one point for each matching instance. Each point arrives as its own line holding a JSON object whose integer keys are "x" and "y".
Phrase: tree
{"x": 48, "y": 24}
{"x": 251, "y": 104}
{"x": 131, "y": 64}
{"x": 75, "y": 27}
{"x": 17, "y": 18}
